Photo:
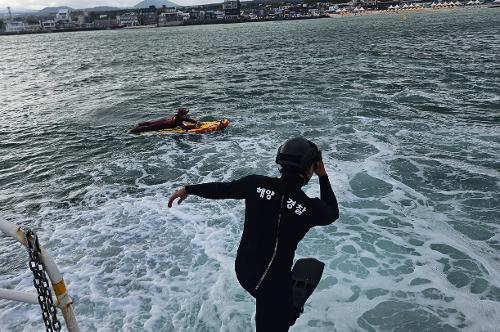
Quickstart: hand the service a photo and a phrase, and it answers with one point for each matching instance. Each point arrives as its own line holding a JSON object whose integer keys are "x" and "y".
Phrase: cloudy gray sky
{"x": 39, "y": 4}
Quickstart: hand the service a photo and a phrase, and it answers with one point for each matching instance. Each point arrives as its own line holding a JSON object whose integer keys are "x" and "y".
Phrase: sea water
{"x": 406, "y": 108}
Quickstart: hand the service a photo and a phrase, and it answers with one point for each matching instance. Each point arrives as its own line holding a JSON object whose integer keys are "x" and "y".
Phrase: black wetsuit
{"x": 164, "y": 123}
{"x": 277, "y": 216}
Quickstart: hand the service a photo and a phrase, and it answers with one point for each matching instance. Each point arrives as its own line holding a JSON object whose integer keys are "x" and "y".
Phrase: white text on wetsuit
{"x": 268, "y": 194}
{"x": 299, "y": 209}
{"x": 290, "y": 203}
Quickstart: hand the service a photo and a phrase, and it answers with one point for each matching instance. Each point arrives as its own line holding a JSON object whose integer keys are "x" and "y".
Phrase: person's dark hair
{"x": 296, "y": 155}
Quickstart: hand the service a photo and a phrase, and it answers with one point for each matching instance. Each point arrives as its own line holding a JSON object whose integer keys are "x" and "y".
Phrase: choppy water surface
{"x": 405, "y": 107}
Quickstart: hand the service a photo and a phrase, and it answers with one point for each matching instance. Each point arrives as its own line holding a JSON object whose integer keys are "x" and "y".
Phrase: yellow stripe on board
{"x": 59, "y": 288}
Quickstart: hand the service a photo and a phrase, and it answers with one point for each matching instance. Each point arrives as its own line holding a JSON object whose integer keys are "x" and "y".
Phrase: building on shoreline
{"x": 63, "y": 18}
{"x": 171, "y": 17}
{"x": 48, "y": 25}
{"x": 84, "y": 20}
{"x": 104, "y": 22}
{"x": 231, "y": 9}
{"x": 128, "y": 20}
{"x": 14, "y": 26}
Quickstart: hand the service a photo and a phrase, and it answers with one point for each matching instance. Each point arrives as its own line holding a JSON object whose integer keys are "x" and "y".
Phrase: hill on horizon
{"x": 51, "y": 10}
{"x": 156, "y": 3}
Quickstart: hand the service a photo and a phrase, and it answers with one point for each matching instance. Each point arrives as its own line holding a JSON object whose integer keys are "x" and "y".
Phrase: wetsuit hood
{"x": 291, "y": 180}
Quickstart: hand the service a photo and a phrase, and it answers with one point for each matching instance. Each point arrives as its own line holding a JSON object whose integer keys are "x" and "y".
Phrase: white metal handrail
{"x": 62, "y": 299}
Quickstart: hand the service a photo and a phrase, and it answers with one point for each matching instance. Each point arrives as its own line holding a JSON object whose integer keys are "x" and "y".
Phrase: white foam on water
{"x": 133, "y": 264}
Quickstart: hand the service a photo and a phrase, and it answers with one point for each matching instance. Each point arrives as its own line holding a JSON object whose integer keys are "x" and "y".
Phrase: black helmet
{"x": 297, "y": 154}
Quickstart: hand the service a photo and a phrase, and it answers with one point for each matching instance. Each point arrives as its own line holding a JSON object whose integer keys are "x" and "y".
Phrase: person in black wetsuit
{"x": 278, "y": 215}
{"x": 178, "y": 120}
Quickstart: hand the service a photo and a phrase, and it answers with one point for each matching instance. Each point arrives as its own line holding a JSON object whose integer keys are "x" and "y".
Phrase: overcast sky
{"x": 39, "y": 4}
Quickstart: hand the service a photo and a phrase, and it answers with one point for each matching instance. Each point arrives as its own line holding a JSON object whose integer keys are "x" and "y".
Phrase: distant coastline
{"x": 170, "y": 17}
{"x": 185, "y": 23}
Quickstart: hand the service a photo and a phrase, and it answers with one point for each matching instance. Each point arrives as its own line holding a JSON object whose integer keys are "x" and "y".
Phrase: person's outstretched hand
{"x": 181, "y": 194}
{"x": 320, "y": 168}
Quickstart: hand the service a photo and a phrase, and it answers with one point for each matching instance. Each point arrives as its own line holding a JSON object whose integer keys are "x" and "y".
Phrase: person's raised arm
{"x": 237, "y": 189}
{"x": 327, "y": 195}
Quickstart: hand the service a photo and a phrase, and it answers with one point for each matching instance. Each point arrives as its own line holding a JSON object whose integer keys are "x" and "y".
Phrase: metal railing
{"x": 61, "y": 300}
